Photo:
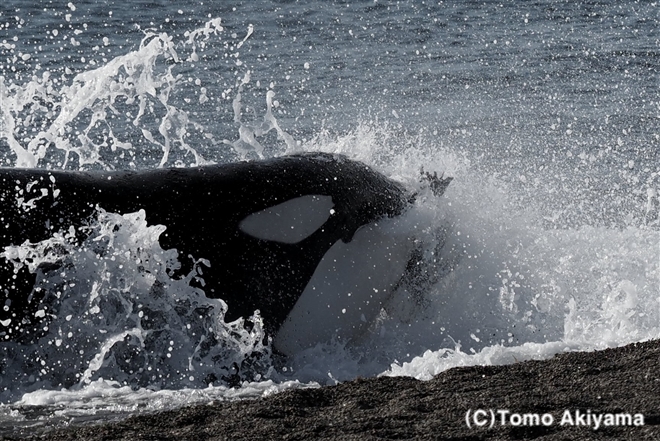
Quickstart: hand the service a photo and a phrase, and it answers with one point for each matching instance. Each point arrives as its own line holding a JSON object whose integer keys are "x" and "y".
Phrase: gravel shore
{"x": 576, "y": 393}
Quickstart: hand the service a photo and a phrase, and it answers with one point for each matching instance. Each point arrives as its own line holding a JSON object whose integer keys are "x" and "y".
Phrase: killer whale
{"x": 304, "y": 238}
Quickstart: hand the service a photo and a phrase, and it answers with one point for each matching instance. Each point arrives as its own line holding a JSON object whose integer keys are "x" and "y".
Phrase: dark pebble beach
{"x": 609, "y": 394}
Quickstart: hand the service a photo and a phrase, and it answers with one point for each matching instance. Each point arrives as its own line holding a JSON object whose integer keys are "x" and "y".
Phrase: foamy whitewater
{"x": 546, "y": 114}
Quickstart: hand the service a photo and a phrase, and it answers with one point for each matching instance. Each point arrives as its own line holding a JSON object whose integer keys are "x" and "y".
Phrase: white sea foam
{"x": 79, "y": 116}
{"x": 516, "y": 290}
{"x": 116, "y": 312}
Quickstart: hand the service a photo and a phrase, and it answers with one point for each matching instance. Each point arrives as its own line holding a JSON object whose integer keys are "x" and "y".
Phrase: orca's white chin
{"x": 274, "y": 233}
{"x": 348, "y": 289}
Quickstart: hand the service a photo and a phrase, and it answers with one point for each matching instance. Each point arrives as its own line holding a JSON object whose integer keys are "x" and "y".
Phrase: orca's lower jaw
{"x": 348, "y": 288}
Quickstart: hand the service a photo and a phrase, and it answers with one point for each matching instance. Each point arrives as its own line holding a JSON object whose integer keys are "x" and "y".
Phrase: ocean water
{"x": 545, "y": 113}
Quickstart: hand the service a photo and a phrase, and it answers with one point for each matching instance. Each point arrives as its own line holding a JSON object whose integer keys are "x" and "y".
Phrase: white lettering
{"x": 567, "y": 418}
{"x": 547, "y": 419}
{"x": 578, "y": 417}
{"x": 623, "y": 419}
{"x": 476, "y": 418}
{"x": 503, "y": 414}
{"x": 531, "y": 419}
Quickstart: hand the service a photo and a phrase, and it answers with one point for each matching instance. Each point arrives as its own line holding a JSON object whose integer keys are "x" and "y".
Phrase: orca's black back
{"x": 202, "y": 208}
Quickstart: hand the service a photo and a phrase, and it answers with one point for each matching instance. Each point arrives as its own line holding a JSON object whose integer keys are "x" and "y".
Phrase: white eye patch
{"x": 290, "y": 221}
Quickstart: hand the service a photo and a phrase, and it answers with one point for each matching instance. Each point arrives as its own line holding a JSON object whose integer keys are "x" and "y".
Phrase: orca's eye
{"x": 290, "y": 221}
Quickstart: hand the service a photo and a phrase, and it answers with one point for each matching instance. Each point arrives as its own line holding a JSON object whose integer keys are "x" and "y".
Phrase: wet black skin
{"x": 202, "y": 208}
